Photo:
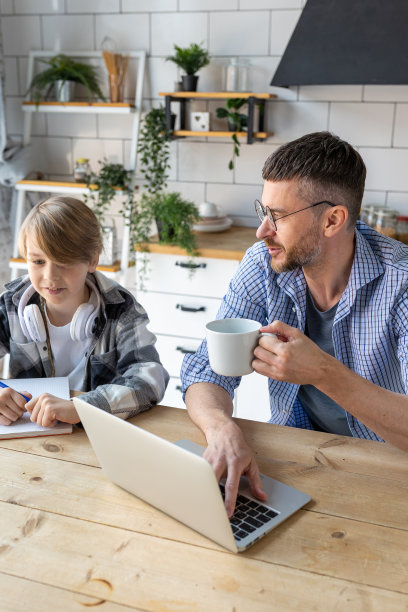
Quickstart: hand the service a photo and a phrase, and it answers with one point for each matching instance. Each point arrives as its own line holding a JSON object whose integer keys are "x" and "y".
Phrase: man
{"x": 335, "y": 294}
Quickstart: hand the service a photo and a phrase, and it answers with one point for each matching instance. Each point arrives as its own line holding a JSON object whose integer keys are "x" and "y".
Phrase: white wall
{"x": 373, "y": 118}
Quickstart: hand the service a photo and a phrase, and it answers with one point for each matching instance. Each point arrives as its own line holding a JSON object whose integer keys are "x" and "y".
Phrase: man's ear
{"x": 335, "y": 220}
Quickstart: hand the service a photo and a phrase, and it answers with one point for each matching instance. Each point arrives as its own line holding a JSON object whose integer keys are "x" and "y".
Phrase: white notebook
{"x": 23, "y": 427}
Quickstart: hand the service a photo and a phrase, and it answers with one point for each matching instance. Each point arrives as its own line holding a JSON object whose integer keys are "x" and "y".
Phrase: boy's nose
{"x": 265, "y": 229}
{"x": 51, "y": 271}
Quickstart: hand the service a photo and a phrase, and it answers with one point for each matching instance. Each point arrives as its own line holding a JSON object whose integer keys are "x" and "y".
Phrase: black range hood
{"x": 345, "y": 42}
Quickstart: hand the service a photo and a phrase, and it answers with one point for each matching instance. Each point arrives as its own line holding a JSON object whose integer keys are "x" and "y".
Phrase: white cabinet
{"x": 180, "y": 301}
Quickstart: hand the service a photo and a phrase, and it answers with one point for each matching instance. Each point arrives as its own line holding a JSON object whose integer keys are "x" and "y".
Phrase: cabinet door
{"x": 252, "y": 398}
{"x": 173, "y": 396}
{"x": 173, "y": 274}
{"x": 172, "y": 350}
{"x": 178, "y": 315}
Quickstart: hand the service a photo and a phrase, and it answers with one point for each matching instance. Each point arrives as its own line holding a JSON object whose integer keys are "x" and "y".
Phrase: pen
{"x": 4, "y": 386}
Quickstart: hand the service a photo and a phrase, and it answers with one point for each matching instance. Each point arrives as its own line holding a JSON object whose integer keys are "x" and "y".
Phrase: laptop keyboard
{"x": 248, "y": 516}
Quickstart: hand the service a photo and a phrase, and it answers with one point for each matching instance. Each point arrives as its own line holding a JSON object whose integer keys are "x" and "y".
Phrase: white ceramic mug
{"x": 208, "y": 209}
{"x": 231, "y": 344}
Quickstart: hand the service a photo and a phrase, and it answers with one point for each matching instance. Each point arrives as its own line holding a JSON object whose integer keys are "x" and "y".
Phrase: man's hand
{"x": 230, "y": 456}
{"x": 289, "y": 356}
{"x": 46, "y": 410}
{"x": 12, "y": 405}
{"x": 210, "y": 408}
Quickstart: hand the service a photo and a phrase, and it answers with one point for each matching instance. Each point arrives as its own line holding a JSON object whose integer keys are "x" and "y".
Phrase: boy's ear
{"x": 93, "y": 264}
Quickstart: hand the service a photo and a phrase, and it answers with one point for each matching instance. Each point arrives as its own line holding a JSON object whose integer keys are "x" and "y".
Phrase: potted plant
{"x": 237, "y": 122}
{"x": 62, "y": 71}
{"x": 104, "y": 187}
{"x": 174, "y": 217}
{"x": 190, "y": 59}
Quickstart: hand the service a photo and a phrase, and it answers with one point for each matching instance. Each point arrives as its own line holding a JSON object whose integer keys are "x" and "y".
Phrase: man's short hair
{"x": 326, "y": 167}
{"x": 65, "y": 229}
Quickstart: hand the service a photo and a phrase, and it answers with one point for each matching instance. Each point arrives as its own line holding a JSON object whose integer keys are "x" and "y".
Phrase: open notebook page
{"x": 23, "y": 427}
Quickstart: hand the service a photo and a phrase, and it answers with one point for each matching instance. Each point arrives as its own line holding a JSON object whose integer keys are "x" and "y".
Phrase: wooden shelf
{"x": 253, "y": 99}
{"x": 78, "y": 107}
{"x": 217, "y": 94}
{"x": 220, "y": 134}
{"x": 19, "y": 262}
{"x": 56, "y": 186}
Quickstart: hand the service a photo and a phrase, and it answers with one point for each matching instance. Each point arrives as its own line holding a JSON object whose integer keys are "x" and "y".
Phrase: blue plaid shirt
{"x": 370, "y": 329}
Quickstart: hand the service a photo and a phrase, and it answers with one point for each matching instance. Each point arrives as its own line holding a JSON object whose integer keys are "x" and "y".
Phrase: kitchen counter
{"x": 230, "y": 244}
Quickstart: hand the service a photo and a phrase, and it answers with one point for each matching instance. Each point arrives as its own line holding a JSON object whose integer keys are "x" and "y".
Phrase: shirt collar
{"x": 366, "y": 267}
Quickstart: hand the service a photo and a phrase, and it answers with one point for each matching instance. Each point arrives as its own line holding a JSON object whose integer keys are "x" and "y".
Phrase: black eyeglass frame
{"x": 266, "y": 211}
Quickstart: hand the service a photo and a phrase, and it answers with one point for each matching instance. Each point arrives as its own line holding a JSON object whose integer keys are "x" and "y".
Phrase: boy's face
{"x": 61, "y": 285}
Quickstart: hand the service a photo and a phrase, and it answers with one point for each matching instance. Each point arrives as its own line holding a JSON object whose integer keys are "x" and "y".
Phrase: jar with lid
{"x": 402, "y": 228}
{"x": 386, "y": 222}
{"x": 81, "y": 170}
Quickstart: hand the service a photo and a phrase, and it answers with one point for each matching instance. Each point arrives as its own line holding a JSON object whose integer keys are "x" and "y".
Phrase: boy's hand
{"x": 12, "y": 405}
{"x": 46, "y": 410}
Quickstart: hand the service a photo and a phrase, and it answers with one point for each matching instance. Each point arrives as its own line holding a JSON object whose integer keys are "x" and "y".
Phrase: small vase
{"x": 189, "y": 82}
{"x": 64, "y": 90}
{"x": 232, "y": 126}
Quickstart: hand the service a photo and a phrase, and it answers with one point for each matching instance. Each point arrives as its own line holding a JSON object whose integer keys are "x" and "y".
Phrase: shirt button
{"x": 44, "y": 348}
{"x": 293, "y": 309}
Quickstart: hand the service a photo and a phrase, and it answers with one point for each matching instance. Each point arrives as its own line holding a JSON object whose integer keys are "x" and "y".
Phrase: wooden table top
{"x": 71, "y": 539}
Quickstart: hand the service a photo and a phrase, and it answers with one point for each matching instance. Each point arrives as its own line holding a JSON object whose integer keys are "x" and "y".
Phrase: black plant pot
{"x": 189, "y": 82}
{"x": 232, "y": 126}
{"x": 169, "y": 231}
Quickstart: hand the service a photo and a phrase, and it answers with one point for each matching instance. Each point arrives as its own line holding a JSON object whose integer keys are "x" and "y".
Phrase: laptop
{"x": 175, "y": 478}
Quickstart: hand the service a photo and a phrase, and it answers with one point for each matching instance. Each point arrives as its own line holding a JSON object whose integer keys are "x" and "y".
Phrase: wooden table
{"x": 71, "y": 540}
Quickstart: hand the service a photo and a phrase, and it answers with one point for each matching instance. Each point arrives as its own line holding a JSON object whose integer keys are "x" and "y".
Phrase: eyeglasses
{"x": 263, "y": 211}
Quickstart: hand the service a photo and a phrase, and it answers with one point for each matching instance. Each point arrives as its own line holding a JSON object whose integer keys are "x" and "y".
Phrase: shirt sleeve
{"x": 245, "y": 299}
{"x": 128, "y": 378}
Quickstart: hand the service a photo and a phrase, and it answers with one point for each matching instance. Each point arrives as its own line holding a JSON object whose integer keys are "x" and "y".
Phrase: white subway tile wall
{"x": 373, "y": 118}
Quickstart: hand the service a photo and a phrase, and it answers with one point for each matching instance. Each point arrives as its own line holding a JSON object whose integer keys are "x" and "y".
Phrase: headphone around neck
{"x": 33, "y": 320}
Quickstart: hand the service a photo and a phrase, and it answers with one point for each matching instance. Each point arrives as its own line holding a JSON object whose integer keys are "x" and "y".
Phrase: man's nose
{"x": 266, "y": 228}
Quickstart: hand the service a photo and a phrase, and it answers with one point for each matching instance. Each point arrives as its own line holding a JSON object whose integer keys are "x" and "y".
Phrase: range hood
{"x": 345, "y": 42}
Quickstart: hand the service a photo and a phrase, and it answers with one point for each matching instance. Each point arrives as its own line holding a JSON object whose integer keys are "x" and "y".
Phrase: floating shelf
{"x": 253, "y": 99}
{"x": 79, "y": 107}
{"x": 219, "y": 134}
{"x": 19, "y": 262}
{"x": 218, "y": 94}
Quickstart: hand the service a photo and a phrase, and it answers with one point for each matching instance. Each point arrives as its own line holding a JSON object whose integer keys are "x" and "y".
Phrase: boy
{"x": 67, "y": 319}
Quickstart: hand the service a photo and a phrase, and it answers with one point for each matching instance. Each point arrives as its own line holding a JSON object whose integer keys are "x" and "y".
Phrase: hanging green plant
{"x": 236, "y": 122}
{"x": 154, "y": 150}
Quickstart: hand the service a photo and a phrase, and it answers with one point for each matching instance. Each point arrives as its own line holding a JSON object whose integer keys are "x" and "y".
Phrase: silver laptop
{"x": 178, "y": 481}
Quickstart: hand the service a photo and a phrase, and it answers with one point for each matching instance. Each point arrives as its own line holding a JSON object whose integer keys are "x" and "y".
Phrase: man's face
{"x": 297, "y": 242}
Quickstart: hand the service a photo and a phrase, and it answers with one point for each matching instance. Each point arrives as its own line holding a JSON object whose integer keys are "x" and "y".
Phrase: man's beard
{"x": 307, "y": 249}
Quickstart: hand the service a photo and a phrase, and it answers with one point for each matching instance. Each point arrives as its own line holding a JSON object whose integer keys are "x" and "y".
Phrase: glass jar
{"x": 81, "y": 170}
{"x": 369, "y": 214}
{"x": 402, "y": 228}
{"x": 386, "y": 222}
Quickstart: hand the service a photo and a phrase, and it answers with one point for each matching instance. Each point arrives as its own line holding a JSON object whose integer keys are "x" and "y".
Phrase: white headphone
{"x": 82, "y": 324}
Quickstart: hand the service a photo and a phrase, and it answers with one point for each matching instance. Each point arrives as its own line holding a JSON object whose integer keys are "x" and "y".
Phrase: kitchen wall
{"x": 373, "y": 118}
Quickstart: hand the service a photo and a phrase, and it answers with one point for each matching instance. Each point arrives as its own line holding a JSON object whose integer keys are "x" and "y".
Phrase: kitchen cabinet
{"x": 180, "y": 300}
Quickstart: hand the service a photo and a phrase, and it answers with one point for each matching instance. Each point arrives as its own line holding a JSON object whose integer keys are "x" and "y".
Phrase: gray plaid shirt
{"x": 124, "y": 375}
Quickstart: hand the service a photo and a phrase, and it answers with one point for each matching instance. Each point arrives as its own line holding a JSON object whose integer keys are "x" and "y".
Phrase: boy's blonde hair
{"x": 64, "y": 228}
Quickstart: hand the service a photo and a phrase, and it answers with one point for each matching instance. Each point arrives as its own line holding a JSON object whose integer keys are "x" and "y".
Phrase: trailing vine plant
{"x": 154, "y": 150}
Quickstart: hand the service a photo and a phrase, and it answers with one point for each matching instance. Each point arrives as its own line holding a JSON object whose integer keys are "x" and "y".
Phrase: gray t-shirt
{"x": 323, "y": 412}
